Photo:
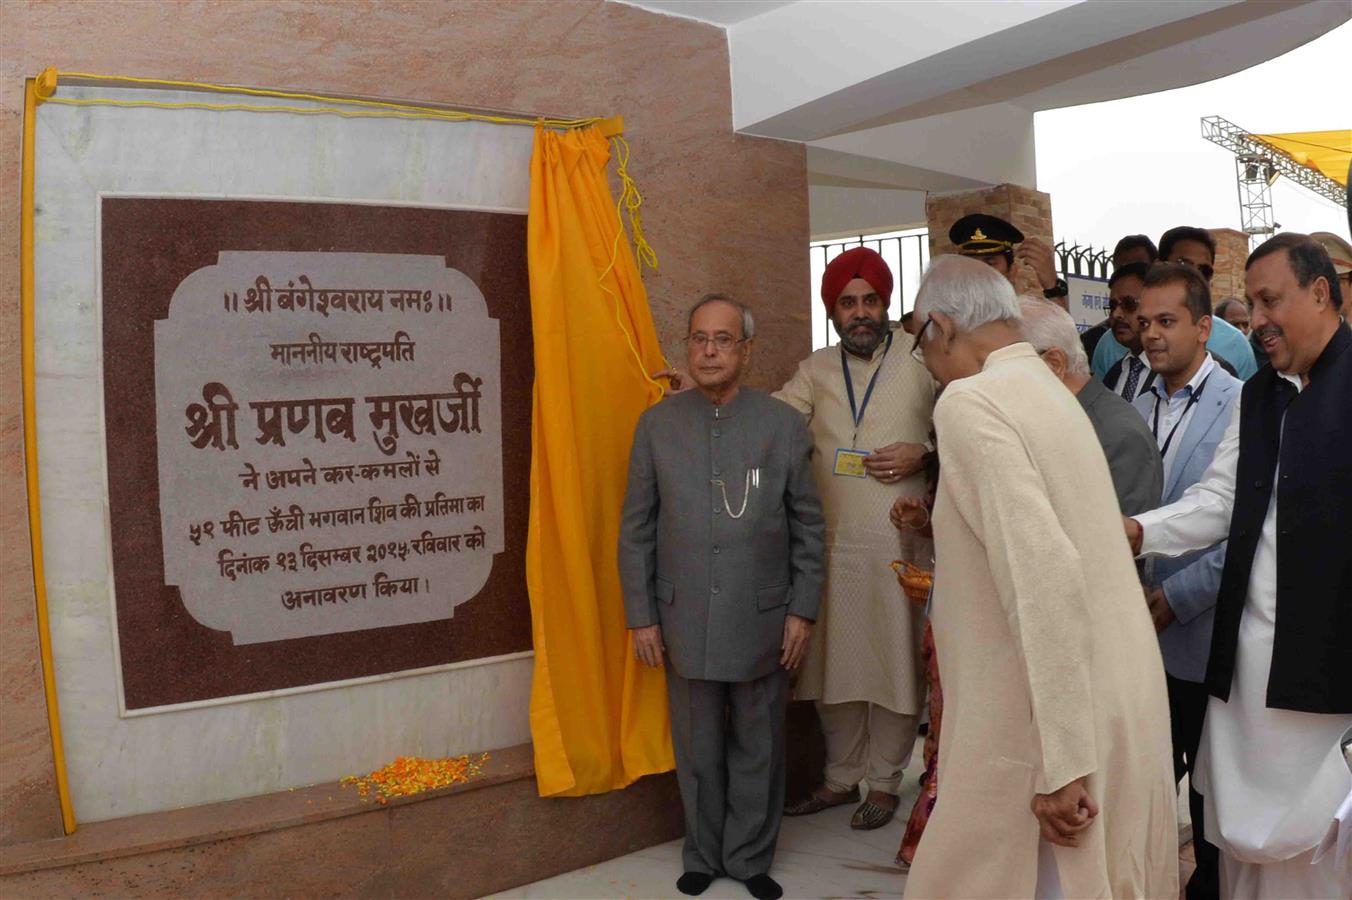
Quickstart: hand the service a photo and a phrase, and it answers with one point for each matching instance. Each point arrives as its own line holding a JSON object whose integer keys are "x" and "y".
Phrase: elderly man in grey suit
{"x": 1187, "y": 407}
{"x": 1133, "y": 461}
{"x": 720, "y": 559}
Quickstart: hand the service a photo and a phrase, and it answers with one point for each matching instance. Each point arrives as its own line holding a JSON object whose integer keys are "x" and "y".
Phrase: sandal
{"x": 815, "y": 803}
{"x": 871, "y": 815}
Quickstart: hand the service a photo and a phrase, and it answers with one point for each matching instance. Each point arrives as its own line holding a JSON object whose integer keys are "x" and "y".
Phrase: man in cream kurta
{"x": 862, "y": 670}
{"x": 1055, "y": 762}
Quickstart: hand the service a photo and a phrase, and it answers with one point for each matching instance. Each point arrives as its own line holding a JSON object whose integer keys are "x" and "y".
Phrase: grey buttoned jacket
{"x": 719, "y": 583}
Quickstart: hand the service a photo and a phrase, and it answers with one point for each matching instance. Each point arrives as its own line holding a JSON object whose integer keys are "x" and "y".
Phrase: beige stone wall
{"x": 1232, "y": 249}
{"x": 724, "y": 211}
{"x": 1028, "y": 210}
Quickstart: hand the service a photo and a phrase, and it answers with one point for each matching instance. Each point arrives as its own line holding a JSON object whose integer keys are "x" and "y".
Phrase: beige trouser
{"x": 866, "y": 742}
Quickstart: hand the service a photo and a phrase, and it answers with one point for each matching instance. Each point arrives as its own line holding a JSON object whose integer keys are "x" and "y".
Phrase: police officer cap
{"x": 982, "y": 235}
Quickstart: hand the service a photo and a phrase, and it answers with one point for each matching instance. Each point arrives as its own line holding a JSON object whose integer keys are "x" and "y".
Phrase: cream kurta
{"x": 865, "y": 644}
{"x": 1049, "y": 662}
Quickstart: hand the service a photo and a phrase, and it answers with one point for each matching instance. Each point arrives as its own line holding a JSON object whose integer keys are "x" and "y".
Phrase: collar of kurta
{"x": 727, "y": 410}
{"x": 1337, "y": 345}
{"x": 1009, "y": 353}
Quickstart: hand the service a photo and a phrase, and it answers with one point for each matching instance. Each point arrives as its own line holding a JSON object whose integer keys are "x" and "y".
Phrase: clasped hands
{"x": 648, "y": 646}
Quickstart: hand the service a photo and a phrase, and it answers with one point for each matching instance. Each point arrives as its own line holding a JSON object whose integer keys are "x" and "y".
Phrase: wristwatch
{"x": 1060, "y": 289}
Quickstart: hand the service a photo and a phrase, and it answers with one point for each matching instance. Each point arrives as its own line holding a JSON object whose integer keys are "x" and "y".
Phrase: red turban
{"x": 861, "y": 262}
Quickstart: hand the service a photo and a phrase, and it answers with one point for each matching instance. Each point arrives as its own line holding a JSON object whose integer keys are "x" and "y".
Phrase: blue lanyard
{"x": 1155, "y": 428}
{"x": 857, "y": 412}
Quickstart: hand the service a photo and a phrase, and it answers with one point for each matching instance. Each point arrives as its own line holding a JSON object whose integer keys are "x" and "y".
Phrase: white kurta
{"x": 1050, "y": 666}
{"x": 1271, "y": 779}
{"x": 866, "y": 643}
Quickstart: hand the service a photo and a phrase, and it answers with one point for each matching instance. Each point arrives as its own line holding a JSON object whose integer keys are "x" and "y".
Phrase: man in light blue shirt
{"x": 1187, "y": 409}
{"x": 1197, "y": 248}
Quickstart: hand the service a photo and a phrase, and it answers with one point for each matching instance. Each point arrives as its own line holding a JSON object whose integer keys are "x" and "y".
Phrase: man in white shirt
{"x": 1130, "y": 376}
{"x": 1269, "y": 765}
{"x": 1187, "y": 409}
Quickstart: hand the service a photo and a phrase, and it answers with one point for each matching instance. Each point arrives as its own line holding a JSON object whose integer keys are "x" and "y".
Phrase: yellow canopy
{"x": 1328, "y": 152}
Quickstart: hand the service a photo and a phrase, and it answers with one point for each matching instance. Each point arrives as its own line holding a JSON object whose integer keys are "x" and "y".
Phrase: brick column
{"x": 1028, "y": 210}
{"x": 1232, "y": 249}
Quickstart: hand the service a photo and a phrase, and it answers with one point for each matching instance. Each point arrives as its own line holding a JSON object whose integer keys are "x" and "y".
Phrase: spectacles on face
{"x": 721, "y": 341}
{"x": 917, "y": 349}
{"x": 1205, "y": 269}
{"x": 1127, "y": 304}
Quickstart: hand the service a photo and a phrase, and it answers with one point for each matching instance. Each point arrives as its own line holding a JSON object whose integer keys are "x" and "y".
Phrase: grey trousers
{"x": 729, "y": 742}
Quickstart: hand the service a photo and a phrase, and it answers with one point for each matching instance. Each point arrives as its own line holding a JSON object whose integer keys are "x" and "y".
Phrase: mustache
{"x": 1267, "y": 331}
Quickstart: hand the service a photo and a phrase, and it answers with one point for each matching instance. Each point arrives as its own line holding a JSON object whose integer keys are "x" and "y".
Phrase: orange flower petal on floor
{"x": 410, "y": 775}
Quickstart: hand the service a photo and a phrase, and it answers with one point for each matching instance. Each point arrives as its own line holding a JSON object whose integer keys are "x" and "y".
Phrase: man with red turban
{"x": 868, "y": 405}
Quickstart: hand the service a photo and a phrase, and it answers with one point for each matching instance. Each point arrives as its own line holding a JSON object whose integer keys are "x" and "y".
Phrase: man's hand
{"x": 648, "y": 645}
{"x": 678, "y": 379}
{"x": 894, "y": 462}
{"x": 1135, "y": 534}
{"x": 1160, "y": 610}
{"x": 797, "y": 633}
{"x": 909, "y": 512}
{"x": 1064, "y": 814}
{"x": 1037, "y": 255}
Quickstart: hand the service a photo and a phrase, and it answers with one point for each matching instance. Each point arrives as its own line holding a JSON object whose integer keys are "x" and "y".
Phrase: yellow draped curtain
{"x": 598, "y": 717}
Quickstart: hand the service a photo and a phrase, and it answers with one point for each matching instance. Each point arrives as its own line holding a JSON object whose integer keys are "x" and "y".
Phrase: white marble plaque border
{"x": 123, "y": 762}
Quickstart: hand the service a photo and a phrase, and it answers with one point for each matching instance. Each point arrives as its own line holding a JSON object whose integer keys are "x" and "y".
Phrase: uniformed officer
{"x": 1003, "y": 247}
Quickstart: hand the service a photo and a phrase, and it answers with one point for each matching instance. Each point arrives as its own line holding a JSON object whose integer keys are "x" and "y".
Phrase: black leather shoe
{"x": 763, "y": 887}
{"x": 694, "y": 883}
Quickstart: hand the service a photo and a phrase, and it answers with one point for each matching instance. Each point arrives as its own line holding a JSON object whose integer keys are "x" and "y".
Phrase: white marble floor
{"x": 818, "y": 856}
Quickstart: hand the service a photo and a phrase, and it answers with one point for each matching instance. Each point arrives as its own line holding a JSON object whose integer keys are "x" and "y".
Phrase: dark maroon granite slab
{"x": 149, "y": 246}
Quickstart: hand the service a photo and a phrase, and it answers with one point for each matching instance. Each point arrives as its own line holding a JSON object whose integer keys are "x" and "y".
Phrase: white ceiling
{"x": 907, "y": 96}
{"x": 715, "y": 12}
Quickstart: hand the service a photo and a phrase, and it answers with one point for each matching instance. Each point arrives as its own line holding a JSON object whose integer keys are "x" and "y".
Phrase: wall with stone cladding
{"x": 1028, "y": 210}
{"x": 724, "y": 211}
{"x": 1232, "y": 249}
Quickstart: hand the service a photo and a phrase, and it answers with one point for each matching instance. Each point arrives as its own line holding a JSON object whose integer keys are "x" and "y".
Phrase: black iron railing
{"x": 1086, "y": 261}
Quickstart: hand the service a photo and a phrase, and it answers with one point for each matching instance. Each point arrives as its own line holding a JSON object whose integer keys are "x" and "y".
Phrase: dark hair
{"x": 1132, "y": 270}
{"x": 1227, "y": 303}
{"x": 1186, "y": 233}
{"x": 1308, "y": 258}
{"x": 1136, "y": 242}
{"x": 910, "y": 313}
{"x": 1196, "y": 291}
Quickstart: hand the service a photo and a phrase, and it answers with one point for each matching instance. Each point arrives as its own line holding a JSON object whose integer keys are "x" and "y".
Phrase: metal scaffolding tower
{"x": 1257, "y": 165}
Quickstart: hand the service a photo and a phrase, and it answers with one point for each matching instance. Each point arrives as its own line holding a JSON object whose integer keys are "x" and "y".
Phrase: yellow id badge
{"x": 850, "y": 463}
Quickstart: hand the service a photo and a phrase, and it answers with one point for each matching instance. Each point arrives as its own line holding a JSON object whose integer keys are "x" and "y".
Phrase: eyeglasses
{"x": 1127, "y": 303}
{"x": 1206, "y": 270}
{"x": 917, "y": 350}
{"x": 722, "y": 341}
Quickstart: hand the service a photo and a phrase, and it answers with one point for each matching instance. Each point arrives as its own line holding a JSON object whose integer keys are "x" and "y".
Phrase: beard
{"x": 865, "y": 342}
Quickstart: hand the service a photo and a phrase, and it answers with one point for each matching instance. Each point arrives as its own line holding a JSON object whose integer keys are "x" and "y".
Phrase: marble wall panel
{"x": 723, "y": 211}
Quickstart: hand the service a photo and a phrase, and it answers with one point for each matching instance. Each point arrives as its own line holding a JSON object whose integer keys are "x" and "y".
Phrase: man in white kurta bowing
{"x": 1269, "y": 767}
{"x": 868, "y": 406}
{"x": 1055, "y": 767}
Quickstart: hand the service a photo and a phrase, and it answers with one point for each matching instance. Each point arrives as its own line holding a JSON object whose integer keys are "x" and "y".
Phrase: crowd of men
{"x": 1118, "y": 598}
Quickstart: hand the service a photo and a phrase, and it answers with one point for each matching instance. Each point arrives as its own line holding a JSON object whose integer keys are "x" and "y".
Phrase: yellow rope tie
{"x": 386, "y": 109}
{"x": 630, "y": 200}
